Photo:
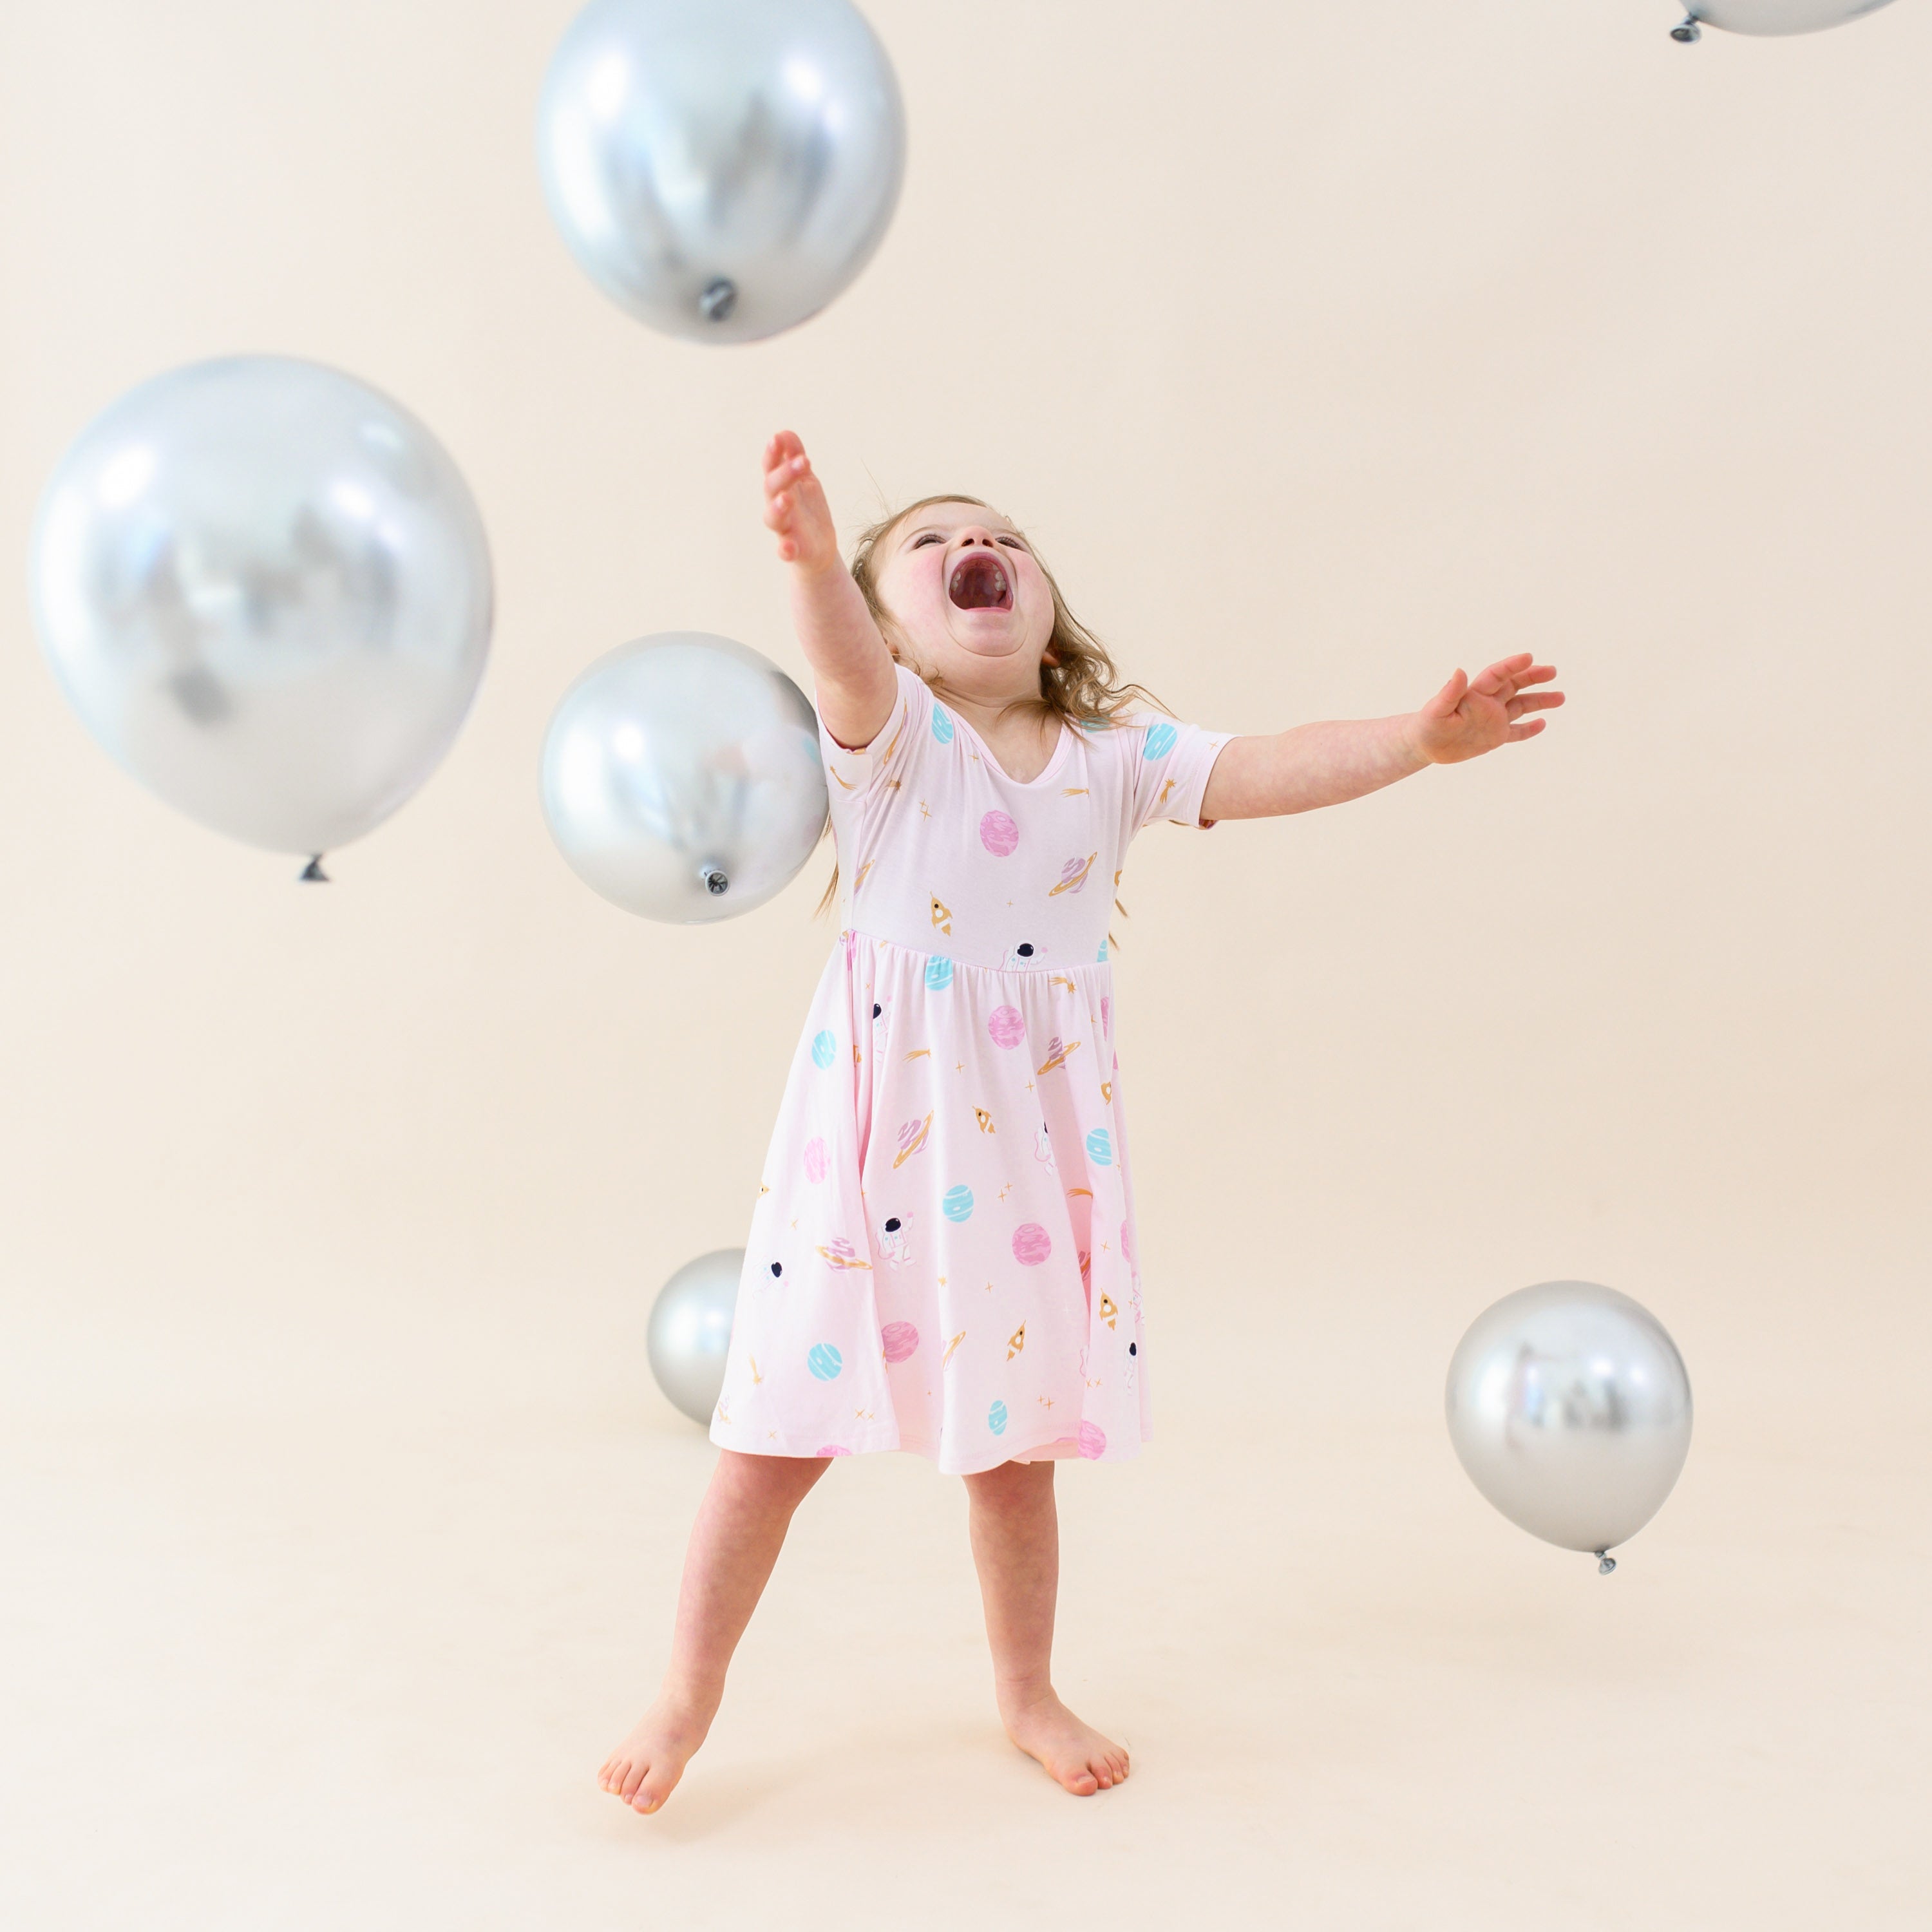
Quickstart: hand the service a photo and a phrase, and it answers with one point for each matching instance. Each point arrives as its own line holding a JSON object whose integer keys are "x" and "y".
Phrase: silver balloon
{"x": 722, "y": 169}
{"x": 691, "y": 1330}
{"x": 265, "y": 589}
{"x": 1570, "y": 1408}
{"x": 1774, "y": 16}
{"x": 681, "y": 778}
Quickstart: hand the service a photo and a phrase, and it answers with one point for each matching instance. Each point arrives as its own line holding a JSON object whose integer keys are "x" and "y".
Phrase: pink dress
{"x": 942, "y": 1255}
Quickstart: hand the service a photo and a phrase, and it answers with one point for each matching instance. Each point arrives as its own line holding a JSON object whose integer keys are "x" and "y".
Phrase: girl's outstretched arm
{"x": 850, "y": 662}
{"x": 1327, "y": 764}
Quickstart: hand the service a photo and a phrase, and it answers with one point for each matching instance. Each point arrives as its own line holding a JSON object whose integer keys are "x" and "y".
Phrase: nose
{"x": 973, "y": 535}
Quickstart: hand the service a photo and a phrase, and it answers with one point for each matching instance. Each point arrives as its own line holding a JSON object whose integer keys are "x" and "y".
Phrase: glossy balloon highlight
{"x": 1569, "y": 1406}
{"x": 722, "y": 169}
{"x": 681, "y": 778}
{"x": 690, "y": 1331}
{"x": 265, "y": 589}
{"x": 1772, "y": 16}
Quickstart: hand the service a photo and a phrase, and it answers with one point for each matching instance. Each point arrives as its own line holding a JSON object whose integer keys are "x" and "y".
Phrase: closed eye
{"x": 1012, "y": 543}
{"x": 926, "y": 537}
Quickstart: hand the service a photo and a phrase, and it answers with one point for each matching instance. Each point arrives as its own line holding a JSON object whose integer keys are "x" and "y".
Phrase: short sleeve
{"x": 1168, "y": 767}
{"x": 891, "y": 750}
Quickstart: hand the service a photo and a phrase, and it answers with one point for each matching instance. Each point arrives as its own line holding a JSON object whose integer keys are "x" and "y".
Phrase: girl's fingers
{"x": 1536, "y": 674}
{"x": 1527, "y": 729}
{"x": 1540, "y": 700}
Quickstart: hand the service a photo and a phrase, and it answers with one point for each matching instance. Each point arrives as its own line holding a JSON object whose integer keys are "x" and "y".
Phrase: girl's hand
{"x": 1467, "y": 718}
{"x": 795, "y": 508}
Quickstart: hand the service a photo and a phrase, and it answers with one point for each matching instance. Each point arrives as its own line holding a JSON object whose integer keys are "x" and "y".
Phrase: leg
{"x": 741, "y": 1526}
{"x": 1016, "y": 1547}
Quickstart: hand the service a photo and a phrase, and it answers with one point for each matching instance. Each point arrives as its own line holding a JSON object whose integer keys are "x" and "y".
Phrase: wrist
{"x": 1414, "y": 748}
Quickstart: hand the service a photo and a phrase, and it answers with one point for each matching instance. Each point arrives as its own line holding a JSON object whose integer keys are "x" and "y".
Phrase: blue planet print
{"x": 942, "y": 726}
{"x": 825, "y": 1362}
{"x": 996, "y": 1418}
{"x": 824, "y": 1049}
{"x": 1100, "y": 1147}
{"x": 1159, "y": 741}
{"x": 958, "y": 1204}
{"x": 1100, "y": 957}
{"x": 939, "y": 972}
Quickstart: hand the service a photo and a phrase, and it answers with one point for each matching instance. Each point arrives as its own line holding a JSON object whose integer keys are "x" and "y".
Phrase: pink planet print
{"x": 998, "y": 834}
{"x": 818, "y": 1158}
{"x": 1106, "y": 1015}
{"x": 1032, "y": 1244}
{"x": 834, "y": 1449}
{"x": 1093, "y": 1442}
{"x": 1005, "y": 1026}
{"x": 899, "y": 1339}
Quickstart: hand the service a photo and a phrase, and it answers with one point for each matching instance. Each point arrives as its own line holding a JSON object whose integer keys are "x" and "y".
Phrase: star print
{"x": 924, "y": 812}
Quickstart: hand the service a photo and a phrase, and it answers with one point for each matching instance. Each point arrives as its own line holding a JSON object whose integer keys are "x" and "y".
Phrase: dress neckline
{"x": 1045, "y": 772}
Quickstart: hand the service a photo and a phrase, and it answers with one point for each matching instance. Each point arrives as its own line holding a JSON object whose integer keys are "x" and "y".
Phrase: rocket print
{"x": 984, "y": 1119}
{"x": 1016, "y": 1341}
{"x": 912, "y": 1138}
{"x": 1042, "y": 1148}
{"x": 1107, "y": 1091}
{"x": 1072, "y": 875}
{"x": 950, "y": 1346}
{"x": 1165, "y": 789}
{"x": 942, "y": 917}
{"x": 1056, "y": 1054}
{"x": 1109, "y": 1310}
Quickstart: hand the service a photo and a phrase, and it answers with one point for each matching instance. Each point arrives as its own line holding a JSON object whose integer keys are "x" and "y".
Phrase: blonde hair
{"x": 1079, "y": 680}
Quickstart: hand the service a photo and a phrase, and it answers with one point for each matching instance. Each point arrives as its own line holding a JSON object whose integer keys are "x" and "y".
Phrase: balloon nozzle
{"x": 715, "y": 880}
{"x": 312, "y": 873}
{"x": 1606, "y": 1563}
{"x": 719, "y": 298}
{"x": 1688, "y": 32}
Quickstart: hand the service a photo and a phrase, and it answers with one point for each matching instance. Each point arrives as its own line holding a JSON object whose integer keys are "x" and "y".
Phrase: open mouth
{"x": 980, "y": 582}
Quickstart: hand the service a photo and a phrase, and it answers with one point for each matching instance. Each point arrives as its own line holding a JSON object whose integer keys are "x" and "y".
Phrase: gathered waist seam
{"x": 1102, "y": 967}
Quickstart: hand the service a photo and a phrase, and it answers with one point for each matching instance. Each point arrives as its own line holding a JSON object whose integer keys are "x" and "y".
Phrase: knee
{"x": 1012, "y": 1485}
{"x": 769, "y": 1482}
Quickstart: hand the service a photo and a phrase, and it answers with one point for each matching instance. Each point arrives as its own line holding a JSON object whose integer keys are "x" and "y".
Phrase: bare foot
{"x": 644, "y": 1768}
{"x": 1074, "y": 1754}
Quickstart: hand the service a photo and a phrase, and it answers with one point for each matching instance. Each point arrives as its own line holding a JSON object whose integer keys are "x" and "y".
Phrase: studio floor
{"x": 358, "y": 1666}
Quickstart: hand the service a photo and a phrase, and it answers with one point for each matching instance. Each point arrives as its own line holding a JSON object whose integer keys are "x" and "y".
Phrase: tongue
{"x": 979, "y": 583}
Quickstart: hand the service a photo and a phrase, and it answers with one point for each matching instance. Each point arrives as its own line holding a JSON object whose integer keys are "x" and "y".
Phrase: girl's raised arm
{"x": 850, "y": 662}
{"x": 1324, "y": 764}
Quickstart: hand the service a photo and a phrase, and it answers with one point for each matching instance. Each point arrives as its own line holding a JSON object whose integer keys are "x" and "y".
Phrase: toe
{"x": 1082, "y": 1782}
{"x": 632, "y": 1776}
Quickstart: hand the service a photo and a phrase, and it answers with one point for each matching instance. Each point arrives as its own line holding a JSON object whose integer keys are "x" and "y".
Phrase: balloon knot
{"x": 1689, "y": 32}
{"x": 1606, "y": 1563}
{"x": 312, "y": 873}
{"x": 719, "y": 298}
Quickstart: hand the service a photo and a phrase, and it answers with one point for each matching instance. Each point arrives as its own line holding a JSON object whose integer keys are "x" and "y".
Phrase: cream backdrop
{"x": 1322, "y": 348}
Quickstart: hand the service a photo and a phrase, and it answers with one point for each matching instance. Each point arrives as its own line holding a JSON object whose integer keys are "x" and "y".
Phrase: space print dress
{"x": 942, "y": 1257}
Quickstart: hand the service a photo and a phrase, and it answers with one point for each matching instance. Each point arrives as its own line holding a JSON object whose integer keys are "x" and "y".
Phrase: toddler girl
{"x": 942, "y": 1256}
